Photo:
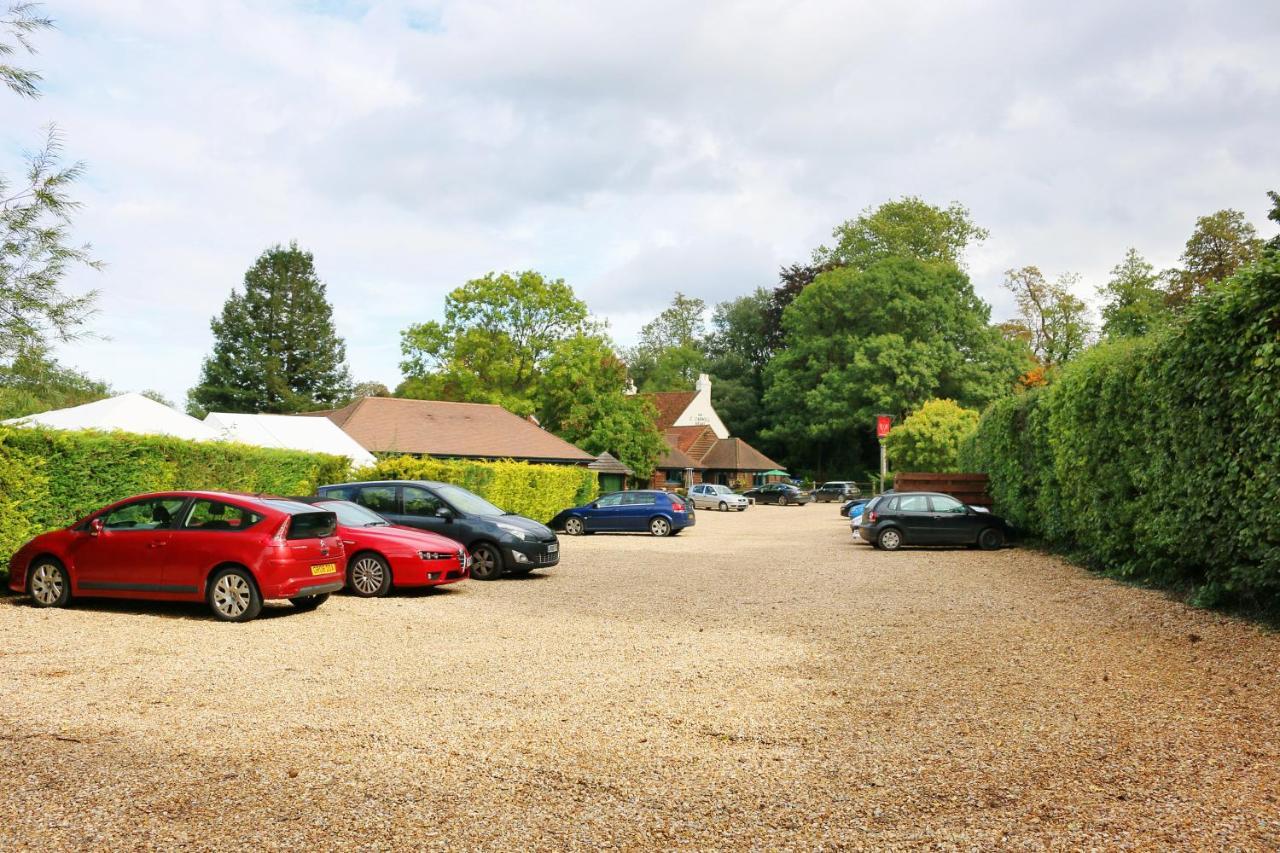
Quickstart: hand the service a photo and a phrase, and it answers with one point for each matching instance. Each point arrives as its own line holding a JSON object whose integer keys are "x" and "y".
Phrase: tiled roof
{"x": 684, "y": 437}
{"x": 670, "y": 405}
{"x": 436, "y": 428}
{"x": 734, "y": 454}
{"x": 607, "y": 463}
{"x": 675, "y": 457}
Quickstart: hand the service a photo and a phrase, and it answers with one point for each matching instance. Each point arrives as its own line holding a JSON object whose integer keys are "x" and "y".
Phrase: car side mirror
{"x": 96, "y": 527}
{"x": 445, "y": 513}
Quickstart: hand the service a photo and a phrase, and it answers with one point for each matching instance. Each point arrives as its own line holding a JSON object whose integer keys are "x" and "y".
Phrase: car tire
{"x": 742, "y": 509}
{"x": 368, "y": 575}
{"x": 659, "y": 526}
{"x": 991, "y": 539}
{"x": 574, "y": 527}
{"x": 890, "y": 539}
{"x": 309, "y": 602}
{"x": 233, "y": 596}
{"x": 48, "y": 583}
{"x": 784, "y": 500}
{"x": 486, "y": 562}
{"x": 724, "y": 507}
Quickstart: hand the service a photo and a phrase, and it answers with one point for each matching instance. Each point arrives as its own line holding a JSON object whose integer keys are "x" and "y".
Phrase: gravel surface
{"x": 758, "y": 681}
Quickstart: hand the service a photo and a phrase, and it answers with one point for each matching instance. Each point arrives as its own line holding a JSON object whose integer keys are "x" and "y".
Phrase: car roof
{"x": 260, "y": 501}
{"x": 383, "y": 483}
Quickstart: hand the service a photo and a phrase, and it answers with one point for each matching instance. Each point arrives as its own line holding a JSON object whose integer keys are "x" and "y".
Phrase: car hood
{"x": 407, "y": 537}
{"x": 526, "y": 524}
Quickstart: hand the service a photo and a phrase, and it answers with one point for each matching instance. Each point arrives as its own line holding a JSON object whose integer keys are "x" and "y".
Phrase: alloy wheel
{"x": 890, "y": 540}
{"x": 486, "y": 564}
{"x": 573, "y": 527}
{"x": 231, "y": 595}
{"x": 659, "y": 527}
{"x": 367, "y": 575}
{"x": 724, "y": 507}
{"x": 46, "y": 584}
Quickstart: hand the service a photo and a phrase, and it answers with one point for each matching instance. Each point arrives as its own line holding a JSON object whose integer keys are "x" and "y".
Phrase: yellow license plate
{"x": 324, "y": 569}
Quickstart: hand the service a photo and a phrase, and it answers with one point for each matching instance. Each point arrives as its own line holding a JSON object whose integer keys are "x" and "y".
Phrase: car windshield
{"x": 721, "y": 490}
{"x": 353, "y": 515}
{"x": 467, "y": 502}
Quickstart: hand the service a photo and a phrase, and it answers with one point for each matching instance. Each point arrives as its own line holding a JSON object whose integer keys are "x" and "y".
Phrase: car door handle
{"x": 348, "y": 541}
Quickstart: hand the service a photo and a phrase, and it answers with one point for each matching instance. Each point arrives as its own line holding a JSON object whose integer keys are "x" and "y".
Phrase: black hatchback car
{"x": 836, "y": 490}
{"x": 500, "y": 542}
{"x": 929, "y": 518}
{"x": 782, "y": 494}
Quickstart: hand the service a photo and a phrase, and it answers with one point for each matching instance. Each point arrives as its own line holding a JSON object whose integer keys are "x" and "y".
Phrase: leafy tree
{"x": 907, "y": 227}
{"x": 527, "y": 343}
{"x": 738, "y": 349}
{"x": 275, "y": 347}
{"x": 583, "y": 399}
{"x": 35, "y": 382}
{"x": 671, "y": 352}
{"x": 35, "y": 217}
{"x": 884, "y": 339}
{"x": 491, "y": 347}
{"x": 1274, "y": 215}
{"x": 930, "y": 438}
{"x": 1054, "y": 320}
{"x": 152, "y": 394}
{"x": 1221, "y": 244}
{"x": 1136, "y": 303}
{"x": 369, "y": 389}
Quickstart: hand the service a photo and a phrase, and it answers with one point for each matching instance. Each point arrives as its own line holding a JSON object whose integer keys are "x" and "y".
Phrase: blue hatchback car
{"x": 659, "y": 513}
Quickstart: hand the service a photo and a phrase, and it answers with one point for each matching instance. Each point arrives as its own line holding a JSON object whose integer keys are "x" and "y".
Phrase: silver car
{"x": 711, "y": 496}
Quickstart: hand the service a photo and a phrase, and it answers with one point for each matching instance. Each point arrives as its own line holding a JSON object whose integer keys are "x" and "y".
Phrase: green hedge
{"x": 49, "y": 478}
{"x": 1158, "y": 459}
{"x": 536, "y": 491}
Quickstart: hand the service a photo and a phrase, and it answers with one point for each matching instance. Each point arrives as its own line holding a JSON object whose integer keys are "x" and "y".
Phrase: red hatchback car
{"x": 232, "y": 551}
{"x": 381, "y": 555}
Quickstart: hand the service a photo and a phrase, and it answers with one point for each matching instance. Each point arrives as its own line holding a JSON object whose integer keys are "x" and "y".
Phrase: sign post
{"x": 883, "y": 423}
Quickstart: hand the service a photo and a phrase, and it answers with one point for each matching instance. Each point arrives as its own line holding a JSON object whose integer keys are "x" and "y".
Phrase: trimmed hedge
{"x": 50, "y": 478}
{"x": 536, "y": 491}
{"x": 1158, "y": 459}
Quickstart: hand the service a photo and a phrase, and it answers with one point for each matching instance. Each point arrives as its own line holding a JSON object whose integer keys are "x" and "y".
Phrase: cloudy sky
{"x": 632, "y": 149}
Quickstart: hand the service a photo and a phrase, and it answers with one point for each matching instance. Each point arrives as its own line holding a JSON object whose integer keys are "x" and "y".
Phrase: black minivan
{"x": 929, "y": 518}
{"x": 500, "y": 542}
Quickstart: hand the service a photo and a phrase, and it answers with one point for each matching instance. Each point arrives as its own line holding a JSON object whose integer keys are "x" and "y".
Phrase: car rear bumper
{"x": 295, "y": 578}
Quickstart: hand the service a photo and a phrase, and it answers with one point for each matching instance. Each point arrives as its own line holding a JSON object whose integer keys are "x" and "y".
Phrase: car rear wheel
{"x": 991, "y": 539}
{"x": 233, "y": 596}
{"x": 575, "y": 527}
{"x": 369, "y": 576}
{"x": 889, "y": 539}
{"x": 724, "y": 507}
{"x": 660, "y": 527}
{"x": 784, "y": 500}
{"x": 48, "y": 584}
{"x": 309, "y": 602}
{"x": 486, "y": 562}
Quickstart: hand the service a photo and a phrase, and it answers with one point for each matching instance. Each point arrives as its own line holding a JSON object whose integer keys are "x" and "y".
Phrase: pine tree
{"x": 275, "y": 347}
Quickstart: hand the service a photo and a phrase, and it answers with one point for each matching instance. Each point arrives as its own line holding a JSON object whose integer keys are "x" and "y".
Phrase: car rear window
{"x": 312, "y": 525}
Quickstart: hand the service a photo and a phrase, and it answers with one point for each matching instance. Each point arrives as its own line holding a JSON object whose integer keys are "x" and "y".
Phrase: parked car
{"x": 499, "y": 542}
{"x": 659, "y": 513}
{"x": 382, "y": 555}
{"x": 231, "y": 551}
{"x": 782, "y": 494}
{"x": 723, "y": 498}
{"x": 849, "y": 508}
{"x": 836, "y": 490}
{"x": 929, "y": 518}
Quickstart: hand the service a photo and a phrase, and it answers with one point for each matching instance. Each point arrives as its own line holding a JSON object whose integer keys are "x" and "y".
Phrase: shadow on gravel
{"x": 193, "y": 610}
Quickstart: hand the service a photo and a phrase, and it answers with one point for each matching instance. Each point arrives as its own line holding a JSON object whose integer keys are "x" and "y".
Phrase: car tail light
{"x": 677, "y": 507}
{"x": 871, "y": 517}
{"x": 282, "y": 532}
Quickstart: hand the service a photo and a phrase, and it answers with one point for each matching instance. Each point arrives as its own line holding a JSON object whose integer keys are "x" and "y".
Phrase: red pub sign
{"x": 882, "y": 425}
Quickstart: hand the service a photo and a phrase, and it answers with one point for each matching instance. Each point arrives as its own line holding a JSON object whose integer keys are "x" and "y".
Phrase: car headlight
{"x": 517, "y": 532}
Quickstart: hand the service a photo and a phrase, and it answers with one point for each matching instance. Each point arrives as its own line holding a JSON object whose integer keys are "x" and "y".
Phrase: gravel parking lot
{"x": 758, "y": 681}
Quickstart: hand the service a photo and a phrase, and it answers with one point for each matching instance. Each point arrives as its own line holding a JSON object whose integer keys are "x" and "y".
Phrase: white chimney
{"x": 703, "y": 385}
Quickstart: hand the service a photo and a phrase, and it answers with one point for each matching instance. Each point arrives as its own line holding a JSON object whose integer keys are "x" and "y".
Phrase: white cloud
{"x": 634, "y": 150}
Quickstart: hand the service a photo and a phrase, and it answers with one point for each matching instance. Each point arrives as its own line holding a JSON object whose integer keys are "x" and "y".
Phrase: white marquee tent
{"x": 292, "y": 432}
{"x": 129, "y": 413}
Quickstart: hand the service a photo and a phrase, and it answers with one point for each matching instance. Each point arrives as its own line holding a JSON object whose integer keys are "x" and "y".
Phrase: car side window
{"x": 913, "y": 503}
{"x": 891, "y": 505}
{"x": 215, "y": 515}
{"x": 379, "y": 498}
{"x": 609, "y": 500}
{"x": 339, "y": 493}
{"x": 945, "y": 504}
{"x": 638, "y": 499}
{"x": 419, "y": 502}
{"x": 152, "y": 514}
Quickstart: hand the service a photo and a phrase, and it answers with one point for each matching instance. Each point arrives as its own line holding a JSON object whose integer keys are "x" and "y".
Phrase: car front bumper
{"x": 538, "y": 555}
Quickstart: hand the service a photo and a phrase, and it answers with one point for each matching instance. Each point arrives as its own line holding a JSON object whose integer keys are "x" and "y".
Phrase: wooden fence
{"x": 968, "y": 488}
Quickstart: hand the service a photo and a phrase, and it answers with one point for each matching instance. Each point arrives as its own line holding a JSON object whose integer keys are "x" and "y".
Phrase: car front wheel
{"x": 48, "y": 584}
{"x": 486, "y": 562}
{"x": 574, "y": 527}
{"x": 990, "y": 539}
{"x": 724, "y": 507}
{"x": 233, "y": 596}
{"x": 889, "y": 539}
{"x": 660, "y": 527}
{"x": 369, "y": 576}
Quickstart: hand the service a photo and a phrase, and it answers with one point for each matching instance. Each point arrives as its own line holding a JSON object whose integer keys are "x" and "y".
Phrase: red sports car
{"x": 233, "y": 551}
{"x": 382, "y": 555}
